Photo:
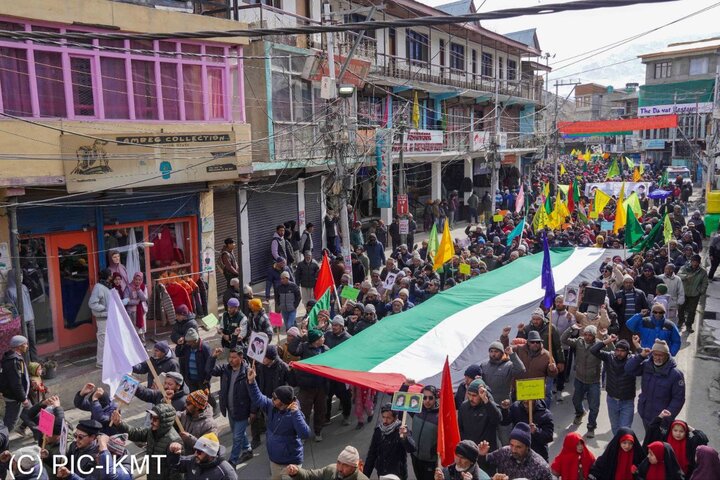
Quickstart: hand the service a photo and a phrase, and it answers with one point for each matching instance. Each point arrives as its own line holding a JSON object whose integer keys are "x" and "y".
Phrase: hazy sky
{"x": 573, "y": 33}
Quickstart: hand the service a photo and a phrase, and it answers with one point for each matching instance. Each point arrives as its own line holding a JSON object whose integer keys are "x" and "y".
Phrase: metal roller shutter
{"x": 313, "y": 212}
{"x": 225, "y": 227}
{"x": 266, "y": 210}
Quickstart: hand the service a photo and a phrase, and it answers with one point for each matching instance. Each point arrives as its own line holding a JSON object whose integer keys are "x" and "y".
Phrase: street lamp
{"x": 346, "y": 91}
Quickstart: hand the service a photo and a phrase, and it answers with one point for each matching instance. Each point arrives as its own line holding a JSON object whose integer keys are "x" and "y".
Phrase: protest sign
{"x": 210, "y": 321}
{"x": 404, "y": 226}
{"x": 390, "y": 280}
{"x": 407, "y": 402}
{"x": 498, "y": 218}
{"x": 350, "y": 293}
{"x": 257, "y": 345}
{"x": 571, "y": 295}
{"x": 607, "y": 226}
{"x": 46, "y": 423}
{"x": 276, "y": 319}
{"x": 465, "y": 269}
{"x": 63, "y": 438}
{"x": 530, "y": 389}
{"x": 126, "y": 391}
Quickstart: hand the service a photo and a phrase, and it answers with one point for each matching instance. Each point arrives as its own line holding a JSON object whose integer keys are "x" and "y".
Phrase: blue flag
{"x": 515, "y": 232}
{"x": 547, "y": 280}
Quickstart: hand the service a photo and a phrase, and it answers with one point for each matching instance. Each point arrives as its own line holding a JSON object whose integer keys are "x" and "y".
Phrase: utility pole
{"x": 401, "y": 176}
{"x": 714, "y": 147}
{"x": 239, "y": 232}
{"x": 674, "y": 135}
{"x": 556, "y": 133}
{"x": 493, "y": 158}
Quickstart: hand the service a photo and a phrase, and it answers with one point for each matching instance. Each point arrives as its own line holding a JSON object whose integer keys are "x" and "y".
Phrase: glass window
{"x": 501, "y": 68}
{"x": 50, "y": 85}
{"x": 192, "y": 88}
{"x": 144, "y": 92}
{"x": 216, "y": 93}
{"x": 511, "y": 69}
{"x": 170, "y": 95}
{"x": 457, "y": 57}
{"x": 83, "y": 97}
{"x": 196, "y": 50}
{"x": 168, "y": 49}
{"x": 698, "y": 66}
{"x": 34, "y": 265}
{"x": 416, "y": 45}
{"x": 663, "y": 70}
{"x": 215, "y": 54}
{"x": 146, "y": 47}
{"x": 114, "y": 87}
{"x": 116, "y": 45}
{"x": 487, "y": 64}
{"x": 474, "y": 62}
{"x": 281, "y": 97}
{"x": 15, "y": 82}
{"x": 301, "y": 100}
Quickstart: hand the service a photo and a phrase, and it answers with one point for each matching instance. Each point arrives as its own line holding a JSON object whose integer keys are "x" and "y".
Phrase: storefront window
{"x": 34, "y": 266}
{"x": 74, "y": 285}
{"x": 170, "y": 253}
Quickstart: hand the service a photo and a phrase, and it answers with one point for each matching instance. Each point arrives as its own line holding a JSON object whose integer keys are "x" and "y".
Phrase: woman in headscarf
{"x": 660, "y": 464}
{"x": 390, "y": 444}
{"x": 707, "y": 463}
{"x": 683, "y": 440}
{"x": 617, "y": 461}
{"x": 137, "y": 295}
{"x": 574, "y": 460}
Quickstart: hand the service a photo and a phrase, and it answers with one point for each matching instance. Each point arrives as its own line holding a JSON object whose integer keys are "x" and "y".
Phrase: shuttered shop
{"x": 266, "y": 210}
{"x": 313, "y": 212}
{"x": 225, "y": 227}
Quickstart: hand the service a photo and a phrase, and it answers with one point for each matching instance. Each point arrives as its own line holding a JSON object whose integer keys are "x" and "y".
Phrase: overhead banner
{"x": 141, "y": 160}
{"x": 421, "y": 141}
{"x": 383, "y": 154}
{"x": 613, "y": 188}
{"x": 630, "y": 124}
{"x": 680, "y": 109}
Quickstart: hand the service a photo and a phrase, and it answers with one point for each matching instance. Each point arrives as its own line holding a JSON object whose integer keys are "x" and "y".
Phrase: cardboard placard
{"x": 257, "y": 346}
{"x": 46, "y": 423}
{"x": 126, "y": 390}
{"x": 210, "y": 321}
{"x": 390, "y": 280}
{"x": 607, "y": 226}
{"x": 571, "y": 295}
{"x": 404, "y": 226}
{"x": 350, "y": 293}
{"x": 276, "y": 319}
{"x": 498, "y": 218}
{"x": 63, "y": 438}
{"x": 407, "y": 402}
{"x": 530, "y": 389}
{"x": 464, "y": 269}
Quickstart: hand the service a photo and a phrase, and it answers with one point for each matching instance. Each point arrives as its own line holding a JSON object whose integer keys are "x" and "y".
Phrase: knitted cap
{"x": 475, "y": 385}
{"x": 467, "y": 449}
{"x": 233, "y": 302}
{"x": 496, "y": 346}
{"x": 116, "y": 444}
{"x": 209, "y": 444}
{"x": 349, "y": 456}
{"x": 191, "y": 335}
{"x": 590, "y": 329}
{"x": 521, "y": 433}
{"x": 285, "y": 394}
{"x": 271, "y": 352}
{"x": 162, "y": 347}
{"x": 198, "y": 399}
{"x": 661, "y": 346}
{"x": 314, "y": 335}
{"x": 255, "y": 304}
{"x": 473, "y": 371}
{"x": 17, "y": 340}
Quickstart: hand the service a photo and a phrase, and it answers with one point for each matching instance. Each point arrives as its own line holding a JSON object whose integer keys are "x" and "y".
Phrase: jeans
{"x": 101, "y": 324}
{"x": 240, "y": 440}
{"x": 548, "y": 390}
{"x": 687, "y": 311}
{"x": 12, "y": 413}
{"x": 289, "y": 319}
{"x": 620, "y": 413}
{"x": 472, "y": 215}
{"x": 592, "y": 390}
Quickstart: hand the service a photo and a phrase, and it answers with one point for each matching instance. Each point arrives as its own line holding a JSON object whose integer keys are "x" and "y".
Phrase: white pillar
{"x": 301, "y": 205}
{"x": 468, "y": 173}
{"x": 386, "y": 215}
{"x": 245, "y": 227}
{"x": 207, "y": 242}
{"x": 436, "y": 180}
{"x": 323, "y": 211}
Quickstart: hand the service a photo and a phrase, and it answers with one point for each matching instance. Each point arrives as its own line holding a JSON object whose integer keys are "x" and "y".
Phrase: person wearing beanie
{"x": 479, "y": 416}
{"x": 234, "y": 399}
{"x": 465, "y": 465}
{"x": 313, "y": 389}
{"x": 272, "y": 373}
{"x": 655, "y": 327}
{"x": 207, "y": 462}
{"x": 662, "y": 384}
{"x": 647, "y": 281}
{"x": 620, "y": 386}
{"x": 233, "y": 328}
{"x": 517, "y": 460}
{"x": 537, "y": 360}
{"x": 287, "y": 298}
{"x": 15, "y": 380}
{"x": 185, "y": 321}
{"x": 588, "y": 368}
{"x": 113, "y": 457}
{"x": 540, "y": 324}
{"x": 162, "y": 358}
{"x": 334, "y": 337}
{"x": 258, "y": 320}
{"x": 23, "y": 464}
{"x": 471, "y": 373}
{"x": 306, "y": 274}
{"x": 232, "y": 292}
{"x": 389, "y": 446}
{"x": 197, "y": 419}
{"x": 543, "y": 424}
{"x": 173, "y": 387}
{"x": 695, "y": 283}
{"x": 395, "y": 307}
{"x": 195, "y": 357}
{"x": 629, "y": 301}
{"x": 286, "y": 425}
{"x": 347, "y": 467}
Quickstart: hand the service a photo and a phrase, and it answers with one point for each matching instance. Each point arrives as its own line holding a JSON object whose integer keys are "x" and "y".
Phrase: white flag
{"x": 123, "y": 348}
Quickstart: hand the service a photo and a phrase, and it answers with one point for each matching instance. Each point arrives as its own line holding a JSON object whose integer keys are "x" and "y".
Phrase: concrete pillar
{"x": 245, "y": 228}
{"x": 207, "y": 243}
{"x": 301, "y": 204}
{"x": 436, "y": 180}
{"x": 468, "y": 173}
{"x": 386, "y": 215}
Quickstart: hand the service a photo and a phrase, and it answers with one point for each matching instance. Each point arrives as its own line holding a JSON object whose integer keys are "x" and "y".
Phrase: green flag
{"x": 633, "y": 229}
{"x": 613, "y": 171}
{"x": 652, "y": 238}
{"x": 548, "y": 204}
{"x": 322, "y": 304}
{"x": 432, "y": 242}
{"x": 663, "y": 179}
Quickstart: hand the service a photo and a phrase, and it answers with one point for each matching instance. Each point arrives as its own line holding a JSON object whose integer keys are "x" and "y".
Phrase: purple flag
{"x": 547, "y": 280}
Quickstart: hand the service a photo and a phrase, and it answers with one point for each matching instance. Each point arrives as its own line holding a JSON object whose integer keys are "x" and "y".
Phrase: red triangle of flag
{"x": 448, "y": 431}
{"x": 325, "y": 278}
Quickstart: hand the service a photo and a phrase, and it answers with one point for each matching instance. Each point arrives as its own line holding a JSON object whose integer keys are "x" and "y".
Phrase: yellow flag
{"x": 416, "y": 112}
{"x": 446, "y": 249}
{"x": 642, "y": 168}
{"x": 561, "y": 208}
{"x": 633, "y": 201}
{"x": 562, "y": 169}
{"x": 540, "y": 219}
{"x": 587, "y": 155}
{"x": 667, "y": 230}
{"x": 620, "y": 211}
{"x": 601, "y": 199}
{"x": 546, "y": 190}
{"x": 636, "y": 175}
{"x": 630, "y": 163}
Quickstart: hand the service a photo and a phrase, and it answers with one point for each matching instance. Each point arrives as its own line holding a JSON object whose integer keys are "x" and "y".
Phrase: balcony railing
{"x": 402, "y": 68}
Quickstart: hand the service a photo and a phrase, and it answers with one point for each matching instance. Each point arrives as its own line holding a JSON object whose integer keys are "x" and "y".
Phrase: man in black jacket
{"x": 162, "y": 359}
{"x": 479, "y": 417}
{"x": 313, "y": 389}
{"x": 15, "y": 380}
{"x": 174, "y": 388}
{"x": 271, "y": 374}
{"x": 306, "y": 275}
{"x": 194, "y": 358}
{"x": 337, "y": 335}
{"x": 648, "y": 282}
{"x": 620, "y": 386}
{"x": 234, "y": 400}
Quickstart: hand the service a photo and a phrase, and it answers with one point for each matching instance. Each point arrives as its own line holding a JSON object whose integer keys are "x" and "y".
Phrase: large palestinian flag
{"x": 460, "y": 322}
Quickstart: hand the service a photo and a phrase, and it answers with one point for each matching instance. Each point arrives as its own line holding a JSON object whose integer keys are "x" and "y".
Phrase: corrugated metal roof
{"x": 527, "y": 37}
{"x": 461, "y": 7}
{"x": 686, "y": 47}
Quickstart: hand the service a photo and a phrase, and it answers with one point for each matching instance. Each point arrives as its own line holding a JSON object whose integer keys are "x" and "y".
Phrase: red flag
{"x": 325, "y": 278}
{"x": 570, "y": 197}
{"x": 448, "y": 430}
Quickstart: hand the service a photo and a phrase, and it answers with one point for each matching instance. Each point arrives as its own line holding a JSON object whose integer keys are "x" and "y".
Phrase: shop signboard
{"x": 402, "y": 205}
{"x": 132, "y": 160}
{"x": 421, "y": 141}
{"x": 680, "y": 109}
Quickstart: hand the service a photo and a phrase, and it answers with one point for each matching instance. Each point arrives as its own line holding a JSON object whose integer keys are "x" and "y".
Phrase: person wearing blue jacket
{"x": 663, "y": 384}
{"x": 655, "y": 327}
{"x": 375, "y": 251}
{"x": 98, "y": 402}
{"x": 286, "y": 425}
